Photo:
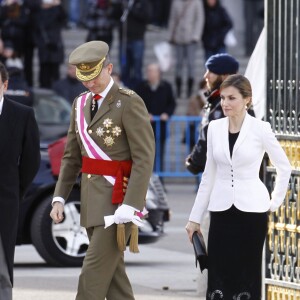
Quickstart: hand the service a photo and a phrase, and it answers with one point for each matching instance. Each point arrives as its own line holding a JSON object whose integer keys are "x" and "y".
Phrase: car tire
{"x": 52, "y": 247}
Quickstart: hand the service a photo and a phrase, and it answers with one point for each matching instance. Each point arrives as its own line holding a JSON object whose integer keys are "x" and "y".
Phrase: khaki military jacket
{"x": 126, "y": 110}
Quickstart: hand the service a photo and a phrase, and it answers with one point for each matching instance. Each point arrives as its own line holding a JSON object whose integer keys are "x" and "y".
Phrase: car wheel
{"x": 62, "y": 244}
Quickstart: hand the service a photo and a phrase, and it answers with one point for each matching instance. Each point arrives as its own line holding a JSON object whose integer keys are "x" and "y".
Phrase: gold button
{"x": 89, "y": 176}
{"x": 90, "y": 131}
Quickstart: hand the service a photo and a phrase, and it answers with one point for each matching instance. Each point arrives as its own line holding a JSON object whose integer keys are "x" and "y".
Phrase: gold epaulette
{"x": 126, "y": 91}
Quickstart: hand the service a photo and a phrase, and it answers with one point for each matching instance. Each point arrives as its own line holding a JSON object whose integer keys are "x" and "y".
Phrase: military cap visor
{"x": 88, "y": 59}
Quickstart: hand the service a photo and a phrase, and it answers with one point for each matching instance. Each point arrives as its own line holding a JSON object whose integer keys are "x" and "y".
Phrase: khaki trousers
{"x": 5, "y": 284}
{"x": 103, "y": 272}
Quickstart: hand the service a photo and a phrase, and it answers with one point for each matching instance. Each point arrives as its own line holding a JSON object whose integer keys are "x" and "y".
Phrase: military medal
{"x": 118, "y": 105}
{"x": 107, "y": 133}
{"x": 93, "y": 104}
{"x": 116, "y": 131}
{"x": 109, "y": 141}
{"x": 107, "y": 123}
{"x": 100, "y": 131}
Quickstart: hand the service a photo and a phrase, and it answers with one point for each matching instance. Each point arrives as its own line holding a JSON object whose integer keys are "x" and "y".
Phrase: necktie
{"x": 94, "y": 106}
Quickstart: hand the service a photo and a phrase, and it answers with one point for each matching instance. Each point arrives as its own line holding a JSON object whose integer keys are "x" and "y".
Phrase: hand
{"x": 191, "y": 167}
{"x": 191, "y": 227}
{"x": 124, "y": 214}
{"x": 57, "y": 212}
{"x": 188, "y": 160}
{"x": 164, "y": 117}
{"x": 7, "y": 52}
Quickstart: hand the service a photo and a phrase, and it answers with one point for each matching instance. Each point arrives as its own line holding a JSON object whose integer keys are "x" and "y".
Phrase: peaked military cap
{"x": 88, "y": 59}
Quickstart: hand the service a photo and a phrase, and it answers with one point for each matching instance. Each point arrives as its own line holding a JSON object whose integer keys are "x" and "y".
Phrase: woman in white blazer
{"x": 236, "y": 198}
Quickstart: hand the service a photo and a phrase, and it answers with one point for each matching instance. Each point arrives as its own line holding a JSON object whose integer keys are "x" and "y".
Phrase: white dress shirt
{"x": 1, "y": 104}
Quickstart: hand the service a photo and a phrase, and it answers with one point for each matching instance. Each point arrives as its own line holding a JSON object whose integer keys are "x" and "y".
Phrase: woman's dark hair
{"x": 3, "y": 72}
{"x": 241, "y": 83}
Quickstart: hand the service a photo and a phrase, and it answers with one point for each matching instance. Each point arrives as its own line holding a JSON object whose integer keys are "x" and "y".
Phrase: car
{"x": 65, "y": 244}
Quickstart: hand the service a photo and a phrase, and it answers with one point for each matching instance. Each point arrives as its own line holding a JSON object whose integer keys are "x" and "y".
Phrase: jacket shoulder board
{"x": 126, "y": 91}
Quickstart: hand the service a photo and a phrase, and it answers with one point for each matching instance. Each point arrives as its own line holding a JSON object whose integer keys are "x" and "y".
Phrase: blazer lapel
{"x": 224, "y": 137}
{"x": 243, "y": 133}
{"x": 105, "y": 106}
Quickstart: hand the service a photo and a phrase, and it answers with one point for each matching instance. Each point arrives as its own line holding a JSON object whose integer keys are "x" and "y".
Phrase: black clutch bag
{"x": 200, "y": 251}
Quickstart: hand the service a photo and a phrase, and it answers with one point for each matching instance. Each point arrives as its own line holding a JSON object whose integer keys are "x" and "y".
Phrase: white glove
{"x": 124, "y": 214}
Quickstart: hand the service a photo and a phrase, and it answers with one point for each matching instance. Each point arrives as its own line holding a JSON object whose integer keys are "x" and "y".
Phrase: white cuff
{"x": 58, "y": 199}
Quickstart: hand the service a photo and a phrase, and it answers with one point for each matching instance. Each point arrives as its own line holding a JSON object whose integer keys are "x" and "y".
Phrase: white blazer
{"x": 227, "y": 181}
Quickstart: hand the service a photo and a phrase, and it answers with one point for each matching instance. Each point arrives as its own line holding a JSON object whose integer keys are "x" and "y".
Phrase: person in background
{"x": 159, "y": 99}
{"x": 162, "y": 11}
{"x": 69, "y": 87}
{"x": 236, "y": 198}
{"x": 195, "y": 107}
{"x": 100, "y": 20}
{"x": 13, "y": 19}
{"x": 19, "y": 160}
{"x": 185, "y": 28}
{"x": 74, "y": 13}
{"x": 216, "y": 26}
{"x": 31, "y": 7}
{"x": 49, "y": 22}
{"x": 135, "y": 17}
{"x": 218, "y": 67}
{"x": 18, "y": 89}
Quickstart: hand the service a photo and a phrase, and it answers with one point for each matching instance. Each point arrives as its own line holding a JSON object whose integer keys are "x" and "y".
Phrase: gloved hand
{"x": 124, "y": 214}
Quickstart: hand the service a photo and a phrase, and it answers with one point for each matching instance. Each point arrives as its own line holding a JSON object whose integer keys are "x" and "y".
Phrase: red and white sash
{"x": 92, "y": 149}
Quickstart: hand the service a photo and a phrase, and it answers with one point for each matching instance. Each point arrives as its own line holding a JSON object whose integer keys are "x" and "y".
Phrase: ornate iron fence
{"x": 282, "y": 280}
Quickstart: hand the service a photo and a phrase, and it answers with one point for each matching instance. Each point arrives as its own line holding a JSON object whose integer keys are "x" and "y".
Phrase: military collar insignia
{"x": 118, "y": 105}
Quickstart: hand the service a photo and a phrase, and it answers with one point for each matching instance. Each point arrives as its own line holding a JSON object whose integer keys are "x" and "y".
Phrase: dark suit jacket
{"x": 19, "y": 161}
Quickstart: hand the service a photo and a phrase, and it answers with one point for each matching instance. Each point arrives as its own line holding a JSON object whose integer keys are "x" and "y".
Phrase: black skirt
{"x": 235, "y": 245}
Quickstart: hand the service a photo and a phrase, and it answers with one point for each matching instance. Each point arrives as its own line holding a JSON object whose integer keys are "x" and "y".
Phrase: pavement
{"x": 163, "y": 270}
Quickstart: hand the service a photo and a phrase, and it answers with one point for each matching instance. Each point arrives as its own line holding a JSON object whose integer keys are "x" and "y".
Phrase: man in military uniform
{"x": 110, "y": 137}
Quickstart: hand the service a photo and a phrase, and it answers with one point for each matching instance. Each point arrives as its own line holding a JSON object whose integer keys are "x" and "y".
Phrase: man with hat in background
{"x": 218, "y": 68}
{"x": 111, "y": 141}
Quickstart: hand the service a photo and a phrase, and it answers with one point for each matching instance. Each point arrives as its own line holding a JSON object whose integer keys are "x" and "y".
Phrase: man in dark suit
{"x": 19, "y": 160}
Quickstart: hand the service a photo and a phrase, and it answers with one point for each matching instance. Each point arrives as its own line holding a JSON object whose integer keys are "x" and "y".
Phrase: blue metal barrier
{"x": 179, "y": 133}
